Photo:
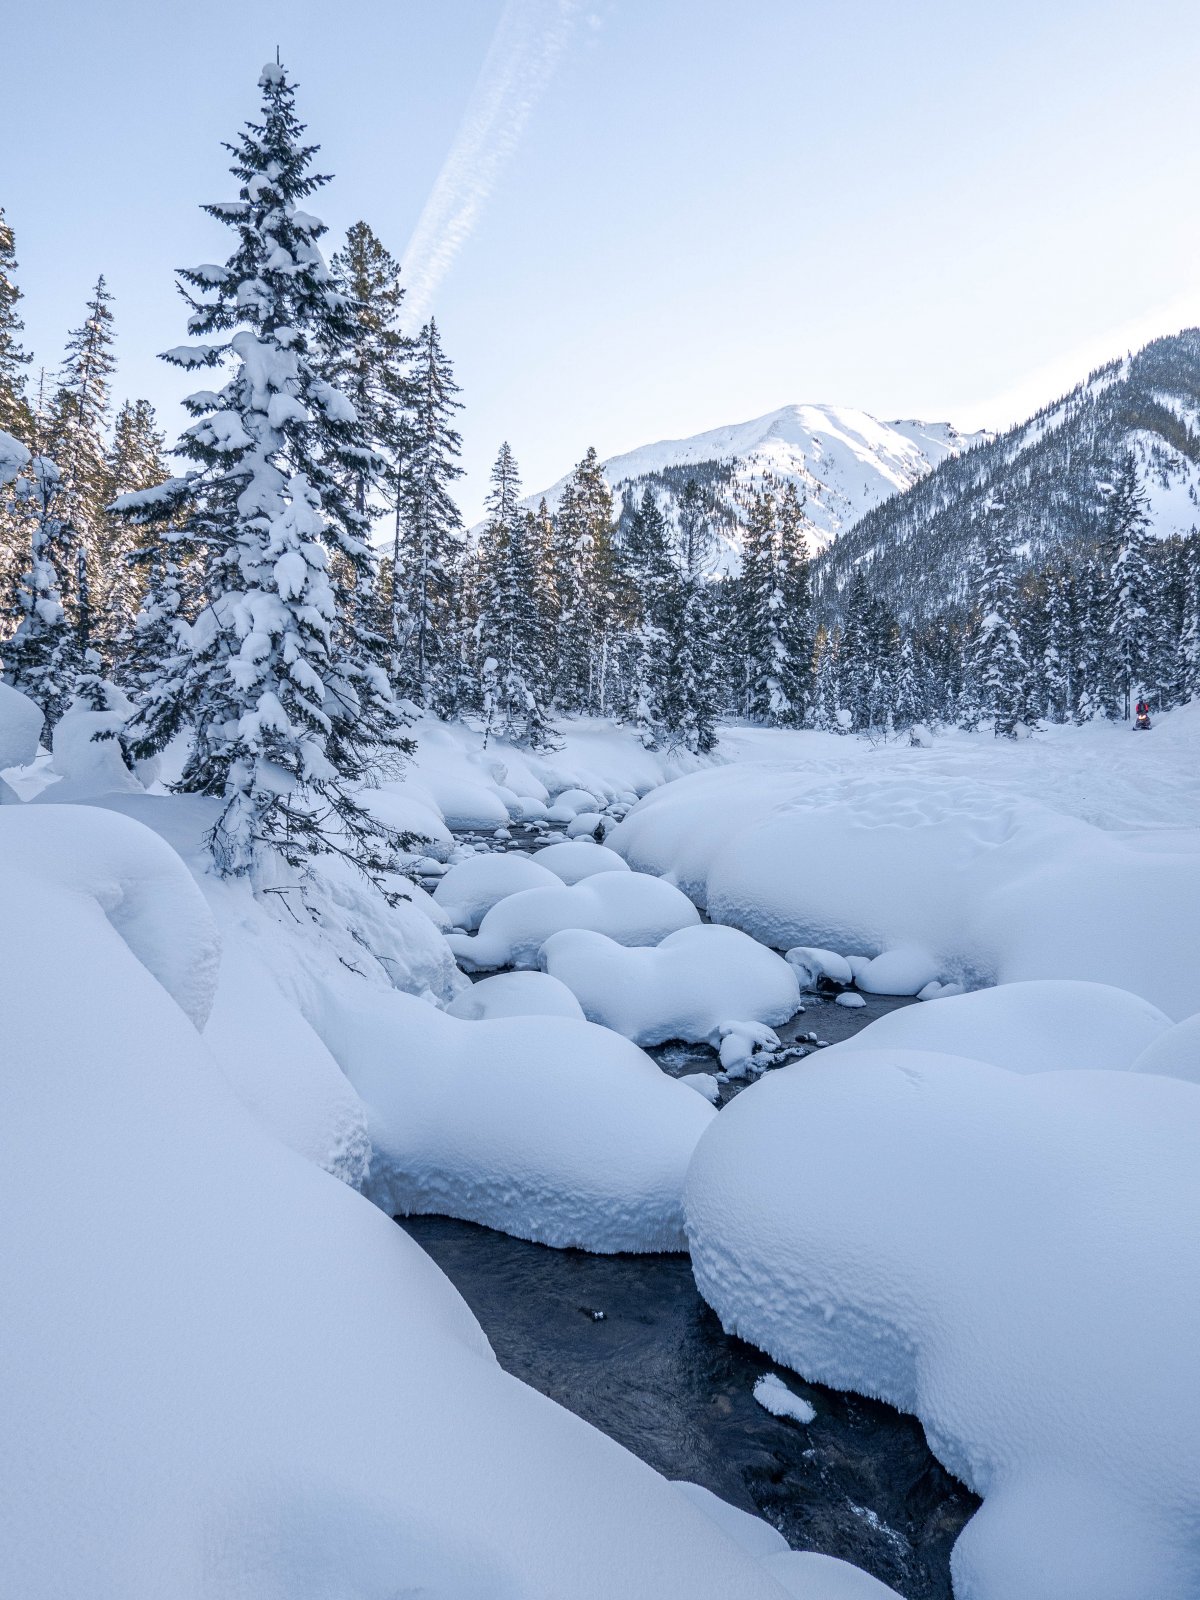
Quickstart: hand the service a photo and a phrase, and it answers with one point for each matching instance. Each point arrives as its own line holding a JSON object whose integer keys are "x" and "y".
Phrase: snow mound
{"x": 472, "y": 887}
{"x": 20, "y": 728}
{"x": 754, "y": 1534}
{"x": 466, "y": 806}
{"x": 544, "y": 1127}
{"x": 576, "y": 859}
{"x": 410, "y": 809}
{"x": 516, "y": 994}
{"x": 1001, "y": 1255}
{"x": 682, "y": 989}
{"x": 807, "y": 1574}
{"x": 1046, "y": 1025}
{"x": 901, "y": 972}
{"x": 1175, "y": 1053}
{"x": 570, "y": 804}
{"x": 584, "y": 826}
{"x": 774, "y": 1396}
{"x": 87, "y": 754}
{"x": 231, "y": 1376}
{"x": 811, "y": 965}
{"x": 630, "y": 907}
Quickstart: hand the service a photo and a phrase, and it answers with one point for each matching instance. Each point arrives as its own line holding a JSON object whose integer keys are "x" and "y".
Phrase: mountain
{"x": 1044, "y": 480}
{"x": 843, "y": 460}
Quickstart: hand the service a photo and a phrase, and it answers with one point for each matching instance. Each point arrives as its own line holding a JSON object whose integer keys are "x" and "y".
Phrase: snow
{"x": 1002, "y": 1255}
{"x": 752, "y": 1533}
{"x": 849, "y": 1000}
{"x": 87, "y": 754}
{"x": 807, "y": 1573}
{"x": 630, "y": 907}
{"x": 684, "y": 988}
{"x": 569, "y": 804}
{"x": 516, "y": 994}
{"x": 1174, "y": 1053}
{"x": 704, "y": 1083}
{"x": 774, "y": 1396}
{"x": 1047, "y": 1025}
{"x": 471, "y": 888}
{"x": 585, "y": 824}
{"x": 20, "y": 728}
{"x": 576, "y": 859}
{"x": 811, "y": 965}
{"x": 465, "y": 805}
{"x": 544, "y": 1127}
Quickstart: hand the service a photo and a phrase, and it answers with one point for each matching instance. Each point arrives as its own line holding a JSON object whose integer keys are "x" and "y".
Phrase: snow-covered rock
{"x": 774, "y": 1396}
{"x": 515, "y": 994}
{"x": 466, "y": 806}
{"x": 850, "y": 1000}
{"x": 704, "y": 1083}
{"x": 905, "y": 971}
{"x": 230, "y": 1375}
{"x": 571, "y": 803}
{"x": 584, "y": 826}
{"x": 1046, "y": 1025}
{"x": 544, "y": 1127}
{"x": 741, "y": 1044}
{"x": 630, "y": 907}
{"x": 1002, "y": 1255}
{"x": 682, "y": 989}
{"x": 87, "y": 754}
{"x": 409, "y": 809}
{"x": 20, "y": 728}
{"x": 811, "y": 965}
{"x": 472, "y": 887}
{"x": 575, "y": 859}
{"x": 1174, "y": 1053}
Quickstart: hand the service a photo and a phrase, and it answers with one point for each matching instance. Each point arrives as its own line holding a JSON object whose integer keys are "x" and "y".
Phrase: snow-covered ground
{"x": 232, "y": 1375}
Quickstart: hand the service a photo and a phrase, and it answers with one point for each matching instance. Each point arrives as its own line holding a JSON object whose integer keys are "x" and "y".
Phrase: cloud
{"x": 529, "y": 41}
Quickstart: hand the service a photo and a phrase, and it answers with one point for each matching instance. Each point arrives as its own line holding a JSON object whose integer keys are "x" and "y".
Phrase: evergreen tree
{"x": 136, "y": 460}
{"x": 283, "y": 691}
{"x": 1188, "y": 650}
{"x": 910, "y": 707}
{"x": 756, "y": 588}
{"x": 15, "y": 415}
{"x": 1133, "y": 584}
{"x": 428, "y": 541}
{"x": 685, "y": 706}
{"x": 79, "y": 419}
{"x": 656, "y": 587}
{"x": 40, "y": 658}
{"x": 998, "y": 671}
{"x": 509, "y": 633}
{"x": 790, "y": 681}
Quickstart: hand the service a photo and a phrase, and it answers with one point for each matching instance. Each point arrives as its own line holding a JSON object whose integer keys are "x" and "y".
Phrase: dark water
{"x": 627, "y": 1343}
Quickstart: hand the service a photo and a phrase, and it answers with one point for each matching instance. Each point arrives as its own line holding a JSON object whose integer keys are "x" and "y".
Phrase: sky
{"x": 639, "y": 219}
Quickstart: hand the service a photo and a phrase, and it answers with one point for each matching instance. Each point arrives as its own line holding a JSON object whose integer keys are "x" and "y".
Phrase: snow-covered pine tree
{"x": 428, "y": 540}
{"x": 685, "y": 701}
{"x": 827, "y": 691}
{"x": 136, "y": 460}
{"x": 997, "y": 670}
{"x": 791, "y": 676}
{"x": 570, "y": 637}
{"x": 15, "y": 416}
{"x": 1188, "y": 653}
{"x": 860, "y": 679}
{"x": 604, "y": 595}
{"x": 695, "y": 529}
{"x": 756, "y": 589}
{"x": 909, "y": 705}
{"x": 510, "y": 642}
{"x": 656, "y": 584}
{"x": 40, "y": 657}
{"x": 284, "y": 696}
{"x": 79, "y": 419}
{"x": 1133, "y": 577}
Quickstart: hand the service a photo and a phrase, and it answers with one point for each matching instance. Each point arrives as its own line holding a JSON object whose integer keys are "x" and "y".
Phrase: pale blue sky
{"x": 710, "y": 209}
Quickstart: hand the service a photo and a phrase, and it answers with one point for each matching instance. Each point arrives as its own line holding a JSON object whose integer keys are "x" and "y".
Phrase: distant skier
{"x": 1141, "y": 716}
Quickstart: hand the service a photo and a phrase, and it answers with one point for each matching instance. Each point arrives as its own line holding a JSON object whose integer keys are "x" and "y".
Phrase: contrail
{"x": 529, "y": 39}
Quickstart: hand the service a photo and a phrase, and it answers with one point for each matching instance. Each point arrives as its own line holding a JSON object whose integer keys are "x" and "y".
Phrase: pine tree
{"x": 428, "y": 539}
{"x": 909, "y": 706}
{"x": 79, "y": 419}
{"x": 15, "y": 415}
{"x": 509, "y": 634}
{"x": 1188, "y": 651}
{"x": 755, "y": 592}
{"x": 136, "y": 460}
{"x": 656, "y": 587}
{"x": 41, "y": 657}
{"x": 1133, "y": 586}
{"x": 790, "y": 682}
{"x": 998, "y": 669}
{"x": 281, "y": 686}
{"x": 604, "y": 591}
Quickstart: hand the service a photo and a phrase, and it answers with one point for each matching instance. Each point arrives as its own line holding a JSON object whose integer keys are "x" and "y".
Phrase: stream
{"x": 626, "y": 1342}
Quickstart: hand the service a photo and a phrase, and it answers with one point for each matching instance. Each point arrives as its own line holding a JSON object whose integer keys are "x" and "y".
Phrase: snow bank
{"x": 811, "y": 965}
{"x": 994, "y": 887}
{"x": 576, "y": 859}
{"x": 472, "y": 887}
{"x": 1006, "y": 1256}
{"x": 1174, "y": 1053}
{"x": 685, "y": 988}
{"x": 230, "y": 1375}
{"x": 630, "y": 907}
{"x": 544, "y": 1127}
{"x": 516, "y": 994}
{"x": 901, "y": 972}
{"x": 20, "y": 728}
{"x": 1044, "y": 1026}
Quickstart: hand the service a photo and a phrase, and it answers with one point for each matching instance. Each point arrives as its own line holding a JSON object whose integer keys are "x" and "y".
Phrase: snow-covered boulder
{"x": 472, "y": 887}
{"x": 811, "y": 965}
{"x": 87, "y": 753}
{"x": 684, "y": 988}
{"x": 630, "y": 907}
{"x": 579, "y": 858}
{"x": 516, "y": 994}
{"x": 585, "y": 826}
{"x": 406, "y": 810}
{"x": 1013, "y": 1258}
{"x": 904, "y": 971}
{"x": 20, "y": 728}
{"x": 544, "y": 1127}
{"x": 1174, "y": 1053}
{"x": 570, "y": 803}
{"x": 1047, "y": 1025}
{"x": 466, "y": 806}
{"x": 229, "y": 1375}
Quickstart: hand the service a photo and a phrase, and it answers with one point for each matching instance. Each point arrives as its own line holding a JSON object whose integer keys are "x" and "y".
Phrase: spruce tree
{"x": 41, "y": 657}
{"x": 15, "y": 415}
{"x": 656, "y": 587}
{"x": 790, "y": 680}
{"x": 909, "y": 706}
{"x": 283, "y": 691}
{"x": 1133, "y": 586}
{"x": 428, "y": 541}
{"x": 1188, "y": 649}
{"x": 79, "y": 419}
{"x": 756, "y": 591}
{"x": 136, "y": 460}
{"x": 509, "y": 636}
{"x": 998, "y": 671}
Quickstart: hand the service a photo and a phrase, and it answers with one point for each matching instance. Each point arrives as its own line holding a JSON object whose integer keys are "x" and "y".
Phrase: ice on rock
{"x": 905, "y": 971}
{"x": 545, "y": 1127}
{"x": 20, "y": 728}
{"x": 565, "y": 807}
{"x": 774, "y": 1396}
{"x": 471, "y": 888}
{"x": 684, "y": 988}
{"x": 1046, "y": 1025}
{"x": 1174, "y": 1053}
{"x": 811, "y": 965}
{"x": 230, "y": 1375}
{"x": 576, "y": 859}
{"x": 630, "y": 907}
{"x": 516, "y": 994}
{"x": 999, "y": 1254}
